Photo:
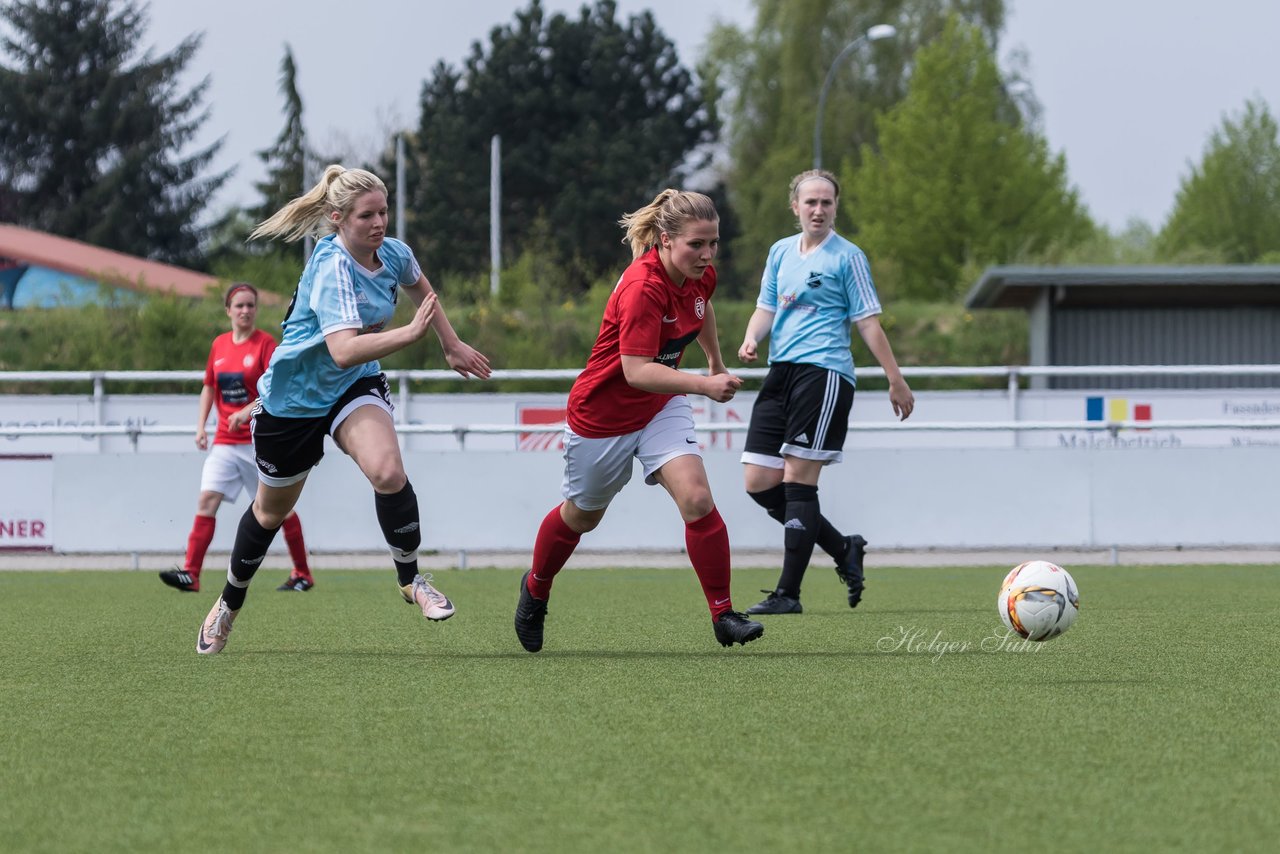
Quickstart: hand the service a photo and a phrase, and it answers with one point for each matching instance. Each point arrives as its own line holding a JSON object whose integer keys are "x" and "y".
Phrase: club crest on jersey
{"x": 815, "y": 279}
{"x": 248, "y": 361}
{"x": 700, "y": 307}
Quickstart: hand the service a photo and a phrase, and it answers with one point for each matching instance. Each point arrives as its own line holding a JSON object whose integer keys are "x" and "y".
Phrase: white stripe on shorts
{"x": 829, "y": 398}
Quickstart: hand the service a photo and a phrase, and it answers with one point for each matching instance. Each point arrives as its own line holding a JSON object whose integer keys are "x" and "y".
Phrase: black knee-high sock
{"x": 401, "y": 528}
{"x": 252, "y": 542}
{"x": 774, "y": 501}
{"x": 801, "y": 529}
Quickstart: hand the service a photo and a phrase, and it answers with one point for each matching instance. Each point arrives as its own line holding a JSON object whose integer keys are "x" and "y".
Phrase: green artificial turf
{"x": 340, "y": 720}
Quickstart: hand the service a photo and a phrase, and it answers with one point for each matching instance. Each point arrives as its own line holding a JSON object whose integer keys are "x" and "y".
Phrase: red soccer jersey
{"x": 647, "y": 315}
{"x": 232, "y": 372}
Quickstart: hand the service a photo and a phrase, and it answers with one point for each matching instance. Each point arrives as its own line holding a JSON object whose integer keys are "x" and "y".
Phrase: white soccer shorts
{"x": 595, "y": 470}
{"x": 228, "y": 469}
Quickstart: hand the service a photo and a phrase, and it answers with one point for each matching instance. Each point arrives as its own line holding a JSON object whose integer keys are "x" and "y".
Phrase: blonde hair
{"x": 669, "y": 212}
{"x": 809, "y": 175}
{"x": 308, "y": 215}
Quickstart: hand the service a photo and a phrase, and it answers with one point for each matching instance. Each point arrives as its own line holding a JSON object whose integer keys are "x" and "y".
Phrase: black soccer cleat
{"x": 776, "y": 603}
{"x": 181, "y": 579}
{"x": 850, "y": 569}
{"x": 531, "y": 612}
{"x": 297, "y": 583}
{"x": 732, "y": 627}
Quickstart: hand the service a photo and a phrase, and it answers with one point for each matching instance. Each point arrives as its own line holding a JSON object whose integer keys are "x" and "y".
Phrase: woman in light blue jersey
{"x": 324, "y": 379}
{"x": 816, "y": 285}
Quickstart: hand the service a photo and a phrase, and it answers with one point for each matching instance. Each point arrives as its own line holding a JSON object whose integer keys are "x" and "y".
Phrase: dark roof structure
{"x": 1142, "y": 315}
{"x": 1097, "y": 287}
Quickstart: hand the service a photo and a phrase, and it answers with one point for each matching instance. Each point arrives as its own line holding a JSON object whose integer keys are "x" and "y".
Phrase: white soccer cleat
{"x": 434, "y": 604}
{"x": 216, "y": 629}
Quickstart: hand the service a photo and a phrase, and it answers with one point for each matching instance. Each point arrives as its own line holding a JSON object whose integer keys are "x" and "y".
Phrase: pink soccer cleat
{"x": 216, "y": 629}
{"x": 434, "y": 604}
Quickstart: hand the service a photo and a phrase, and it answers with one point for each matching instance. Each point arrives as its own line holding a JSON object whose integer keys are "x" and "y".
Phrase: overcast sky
{"x": 1131, "y": 89}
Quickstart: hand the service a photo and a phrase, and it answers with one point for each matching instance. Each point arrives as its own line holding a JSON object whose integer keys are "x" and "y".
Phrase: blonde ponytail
{"x": 669, "y": 212}
{"x": 308, "y": 215}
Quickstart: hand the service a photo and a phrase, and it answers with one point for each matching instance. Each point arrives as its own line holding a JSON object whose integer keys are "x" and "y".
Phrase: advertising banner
{"x": 26, "y": 502}
{"x": 875, "y": 425}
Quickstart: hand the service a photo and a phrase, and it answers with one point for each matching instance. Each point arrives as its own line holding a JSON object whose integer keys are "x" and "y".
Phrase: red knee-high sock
{"x": 198, "y": 543}
{"x": 297, "y": 545}
{"x": 707, "y": 541}
{"x": 556, "y": 542}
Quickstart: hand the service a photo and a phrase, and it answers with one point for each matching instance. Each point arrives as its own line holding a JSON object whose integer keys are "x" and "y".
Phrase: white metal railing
{"x": 462, "y": 431}
{"x": 1013, "y": 374}
{"x": 746, "y": 373}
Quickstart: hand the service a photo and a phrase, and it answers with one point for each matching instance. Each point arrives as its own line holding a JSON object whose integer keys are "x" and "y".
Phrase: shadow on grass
{"x": 625, "y": 654}
{"x": 875, "y": 612}
{"x": 1106, "y": 681}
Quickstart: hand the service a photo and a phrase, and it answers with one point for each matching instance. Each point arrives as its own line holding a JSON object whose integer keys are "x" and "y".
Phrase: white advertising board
{"x": 908, "y": 498}
{"x": 871, "y": 409}
{"x": 26, "y": 502}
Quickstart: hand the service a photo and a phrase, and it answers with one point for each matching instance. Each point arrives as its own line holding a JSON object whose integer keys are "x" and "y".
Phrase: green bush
{"x": 123, "y": 332}
{"x": 943, "y": 334}
{"x": 274, "y": 272}
{"x": 531, "y": 325}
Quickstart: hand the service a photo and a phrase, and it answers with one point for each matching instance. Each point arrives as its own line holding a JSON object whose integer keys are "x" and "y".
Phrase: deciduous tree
{"x": 957, "y": 179}
{"x": 772, "y": 76}
{"x": 286, "y": 161}
{"x": 1229, "y": 205}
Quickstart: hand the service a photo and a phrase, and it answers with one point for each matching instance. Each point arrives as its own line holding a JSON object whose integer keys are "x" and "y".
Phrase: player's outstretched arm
{"x": 900, "y": 396}
{"x": 647, "y": 375}
{"x": 348, "y": 348}
{"x": 460, "y": 356}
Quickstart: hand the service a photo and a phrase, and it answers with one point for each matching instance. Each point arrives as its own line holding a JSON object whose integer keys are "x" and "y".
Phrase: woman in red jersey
{"x": 630, "y": 402}
{"x": 236, "y": 360}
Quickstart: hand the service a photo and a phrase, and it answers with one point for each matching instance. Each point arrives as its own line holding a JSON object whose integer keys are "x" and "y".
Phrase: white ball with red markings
{"x": 1038, "y": 600}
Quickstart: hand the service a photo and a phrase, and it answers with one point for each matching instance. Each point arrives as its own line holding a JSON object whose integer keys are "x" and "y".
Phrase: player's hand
{"x": 237, "y": 420}
{"x": 902, "y": 399}
{"x": 468, "y": 361}
{"x": 202, "y": 439}
{"x": 722, "y": 387}
{"x": 421, "y": 321}
{"x": 748, "y": 351}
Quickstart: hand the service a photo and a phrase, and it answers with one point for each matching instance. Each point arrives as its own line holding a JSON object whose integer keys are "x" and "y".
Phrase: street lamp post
{"x": 876, "y": 33}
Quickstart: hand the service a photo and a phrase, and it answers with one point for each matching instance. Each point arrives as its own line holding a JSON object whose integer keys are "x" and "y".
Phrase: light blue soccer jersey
{"x": 334, "y": 293}
{"x": 815, "y": 299}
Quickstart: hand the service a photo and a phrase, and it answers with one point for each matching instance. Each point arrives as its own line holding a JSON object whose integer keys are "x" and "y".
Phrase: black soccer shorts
{"x": 802, "y": 411}
{"x": 286, "y": 449}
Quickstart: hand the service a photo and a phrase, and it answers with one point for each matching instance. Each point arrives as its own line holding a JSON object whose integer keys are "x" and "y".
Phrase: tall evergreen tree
{"x": 92, "y": 130}
{"x": 286, "y": 161}
{"x": 595, "y": 114}
{"x": 1230, "y": 203}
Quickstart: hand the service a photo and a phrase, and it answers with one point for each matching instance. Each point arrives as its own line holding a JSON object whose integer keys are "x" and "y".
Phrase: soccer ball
{"x": 1038, "y": 600}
